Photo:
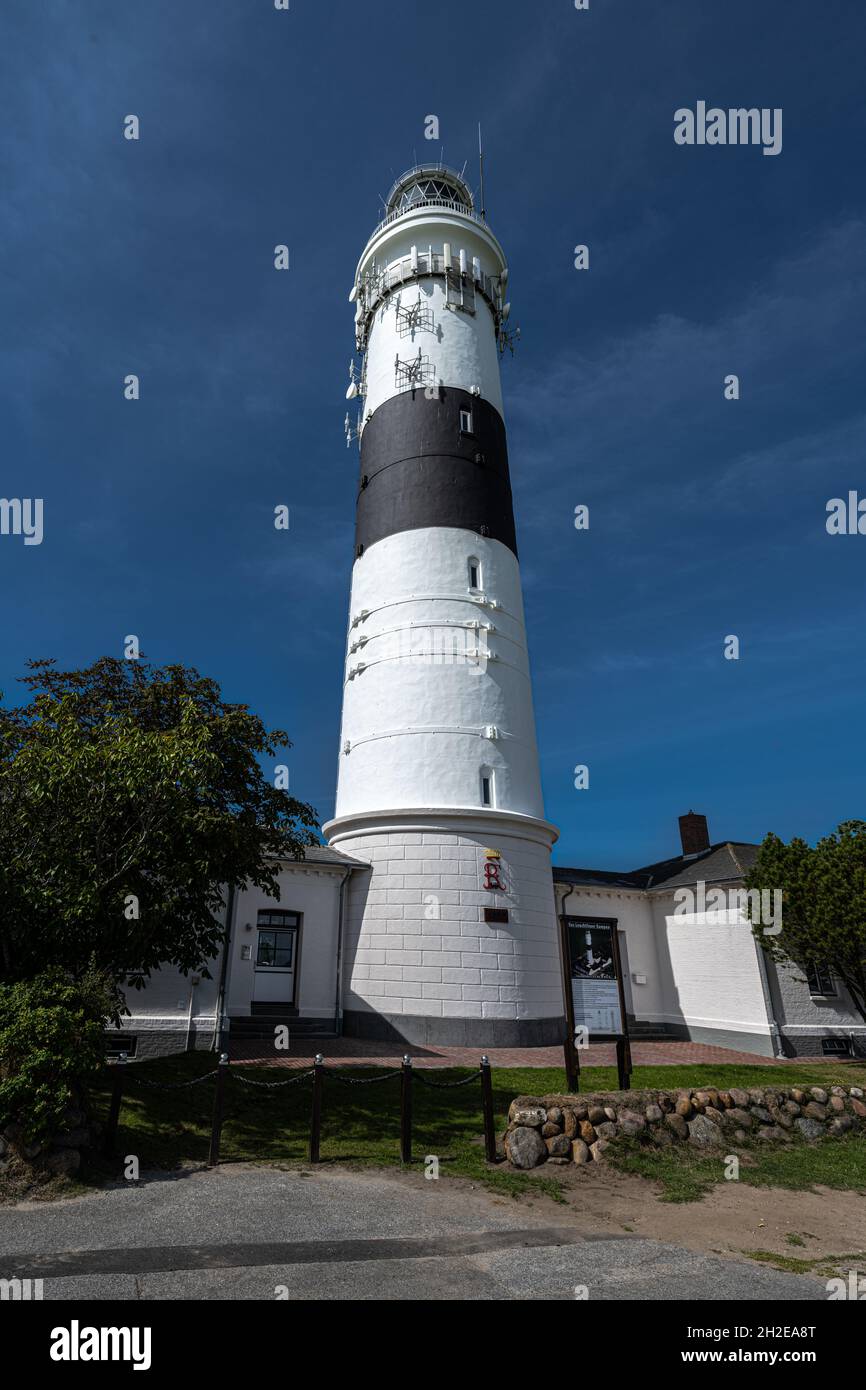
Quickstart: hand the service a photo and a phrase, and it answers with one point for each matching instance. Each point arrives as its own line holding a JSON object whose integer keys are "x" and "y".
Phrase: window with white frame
{"x": 474, "y": 572}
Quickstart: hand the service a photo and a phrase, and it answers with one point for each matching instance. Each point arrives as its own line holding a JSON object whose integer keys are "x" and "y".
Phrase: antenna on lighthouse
{"x": 481, "y": 173}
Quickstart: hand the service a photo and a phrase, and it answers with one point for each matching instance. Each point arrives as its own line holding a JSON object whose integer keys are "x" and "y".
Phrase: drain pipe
{"x": 775, "y": 1030}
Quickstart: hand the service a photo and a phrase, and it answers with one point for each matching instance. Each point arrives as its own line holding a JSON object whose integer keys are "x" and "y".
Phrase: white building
{"x": 432, "y": 915}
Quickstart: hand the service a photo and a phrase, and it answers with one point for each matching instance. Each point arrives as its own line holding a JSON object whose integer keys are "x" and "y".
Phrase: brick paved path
{"x": 355, "y": 1052}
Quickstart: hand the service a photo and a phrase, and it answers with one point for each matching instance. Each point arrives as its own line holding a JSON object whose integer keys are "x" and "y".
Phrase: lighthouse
{"x": 451, "y": 937}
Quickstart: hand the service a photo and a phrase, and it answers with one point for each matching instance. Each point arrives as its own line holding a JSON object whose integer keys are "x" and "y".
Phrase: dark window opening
{"x": 820, "y": 980}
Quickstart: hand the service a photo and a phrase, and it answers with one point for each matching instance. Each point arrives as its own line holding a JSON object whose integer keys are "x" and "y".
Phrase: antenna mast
{"x": 481, "y": 173}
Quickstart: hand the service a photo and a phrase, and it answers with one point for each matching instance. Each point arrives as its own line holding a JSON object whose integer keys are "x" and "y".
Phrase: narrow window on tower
{"x": 486, "y": 786}
{"x": 474, "y": 573}
{"x": 465, "y": 421}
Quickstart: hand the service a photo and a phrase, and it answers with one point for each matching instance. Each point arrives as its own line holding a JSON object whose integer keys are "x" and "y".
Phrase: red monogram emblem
{"x": 492, "y": 878}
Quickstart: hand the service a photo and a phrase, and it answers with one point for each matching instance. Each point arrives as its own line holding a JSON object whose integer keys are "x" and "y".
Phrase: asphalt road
{"x": 241, "y": 1232}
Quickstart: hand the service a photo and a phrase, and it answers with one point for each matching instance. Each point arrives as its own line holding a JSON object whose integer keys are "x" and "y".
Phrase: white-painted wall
{"x": 416, "y": 941}
{"x": 415, "y": 716}
{"x": 715, "y": 973}
{"x": 313, "y": 892}
{"x": 461, "y": 347}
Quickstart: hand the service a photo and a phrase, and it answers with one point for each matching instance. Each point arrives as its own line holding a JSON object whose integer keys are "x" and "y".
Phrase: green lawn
{"x": 360, "y": 1123}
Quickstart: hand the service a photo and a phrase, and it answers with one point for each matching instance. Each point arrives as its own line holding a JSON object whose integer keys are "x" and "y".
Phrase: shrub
{"x": 52, "y": 1048}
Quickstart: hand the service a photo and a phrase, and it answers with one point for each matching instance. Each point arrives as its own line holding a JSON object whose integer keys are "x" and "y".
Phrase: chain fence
{"x": 317, "y": 1074}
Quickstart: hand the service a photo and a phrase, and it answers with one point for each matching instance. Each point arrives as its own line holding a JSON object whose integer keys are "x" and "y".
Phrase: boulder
{"x": 630, "y": 1122}
{"x": 684, "y": 1107}
{"x": 741, "y": 1118}
{"x": 608, "y": 1130}
{"x": 856, "y": 1092}
{"x": 677, "y": 1124}
{"x": 532, "y": 1115}
{"x": 836, "y": 1103}
{"x": 597, "y": 1149}
{"x": 580, "y": 1152}
{"x": 525, "y": 1147}
{"x": 771, "y": 1132}
{"x": 740, "y": 1098}
{"x": 810, "y": 1129}
{"x": 548, "y": 1129}
{"x": 818, "y": 1094}
{"x": 554, "y": 1115}
{"x": 840, "y": 1124}
{"x": 587, "y": 1132}
{"x": 815, "y": 1110}
{"x": 596, "y": 1115}
{"x": 703, "y": 1133}
{"x": 858, "y": 1107}
{"x": 558, "y": 1146}
{"x": 653, "y": 1114}
{"x": 610, "y": 1114}
{"x": 569, "y": 1124}
{"x": 761, "y": 1113}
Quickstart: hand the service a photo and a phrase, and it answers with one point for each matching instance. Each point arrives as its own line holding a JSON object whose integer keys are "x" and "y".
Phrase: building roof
{"x": 323, "y": 854}
{"x": 721, "y": 863}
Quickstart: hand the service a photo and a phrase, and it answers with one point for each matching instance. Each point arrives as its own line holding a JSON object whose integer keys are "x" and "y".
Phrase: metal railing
{"x": 428, "y": 203}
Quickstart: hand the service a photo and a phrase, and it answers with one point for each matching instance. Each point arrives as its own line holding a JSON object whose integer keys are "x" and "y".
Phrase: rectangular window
{"x": 466, "y": 422}
{"x": 486, "y": 789}
{"x": 276, "y": 948}
{"x": 820, "y": 980}
{"x": 277, "y": 934}
{"x": 496, "y": 914}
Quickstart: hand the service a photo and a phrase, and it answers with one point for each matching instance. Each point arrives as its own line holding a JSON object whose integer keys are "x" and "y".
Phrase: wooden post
{"x": 316, "y": 1120}
{"x": 569, "y": 1051}
{"x": 623, "y": 1063}
{"x": 218, "y": 1102}
{"x": 110, "y": 1136}
{"x": 487, "y": 1107}
{"x": 406, "y": 1111}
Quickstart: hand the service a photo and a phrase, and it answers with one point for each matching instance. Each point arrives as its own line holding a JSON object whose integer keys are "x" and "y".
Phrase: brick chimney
{"x": 694, "y": 834}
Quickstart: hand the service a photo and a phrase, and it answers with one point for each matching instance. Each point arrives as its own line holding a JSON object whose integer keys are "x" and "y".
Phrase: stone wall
{"x": 578, "y": 1129}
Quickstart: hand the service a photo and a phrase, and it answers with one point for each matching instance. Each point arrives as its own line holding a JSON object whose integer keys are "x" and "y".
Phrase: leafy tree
{"x": 823, "y": 904}
{"x": 128, "y": 796}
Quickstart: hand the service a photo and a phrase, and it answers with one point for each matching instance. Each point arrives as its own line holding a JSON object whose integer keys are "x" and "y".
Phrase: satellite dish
{"x": 353, "y": 294}
{"x": 351, "y": 391}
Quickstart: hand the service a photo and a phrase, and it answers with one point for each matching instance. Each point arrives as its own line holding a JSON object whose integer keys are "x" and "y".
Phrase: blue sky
{"x": 707, "y": 516}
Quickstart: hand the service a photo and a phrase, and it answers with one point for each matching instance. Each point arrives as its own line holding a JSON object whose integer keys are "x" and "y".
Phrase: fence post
{"x": 572, "y": 1066}
{"x": 218, "y": 1101}
{"x": 623, "y": 1063}
{"x": 316, "y": 1121}
{"x": 406, "y": 1111}
{"x": 110, "y": 1135}
{"x": 487, "y": 1107}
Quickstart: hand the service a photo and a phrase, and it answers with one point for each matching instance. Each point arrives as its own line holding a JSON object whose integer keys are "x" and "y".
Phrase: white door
{"x": 276, "y": 957}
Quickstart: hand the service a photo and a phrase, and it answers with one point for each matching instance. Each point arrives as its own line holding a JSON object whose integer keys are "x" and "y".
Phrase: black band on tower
{"x": 421, "y": 466}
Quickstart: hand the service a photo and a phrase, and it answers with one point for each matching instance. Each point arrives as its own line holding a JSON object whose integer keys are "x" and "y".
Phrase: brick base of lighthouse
{"x": 422, "y": 961}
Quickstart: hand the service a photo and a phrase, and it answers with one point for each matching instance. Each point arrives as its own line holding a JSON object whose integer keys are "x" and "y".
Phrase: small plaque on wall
{"x": 496, "y": 914}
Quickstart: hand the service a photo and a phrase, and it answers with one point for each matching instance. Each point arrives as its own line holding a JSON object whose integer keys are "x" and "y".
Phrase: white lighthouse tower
{"x": 452, "y": 936}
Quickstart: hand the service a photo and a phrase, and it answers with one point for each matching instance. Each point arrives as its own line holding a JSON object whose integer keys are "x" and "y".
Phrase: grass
{"x": 360, "y": 1125}
{"x": 687, "y": 1174}
{"x": 830, "y": 1266}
